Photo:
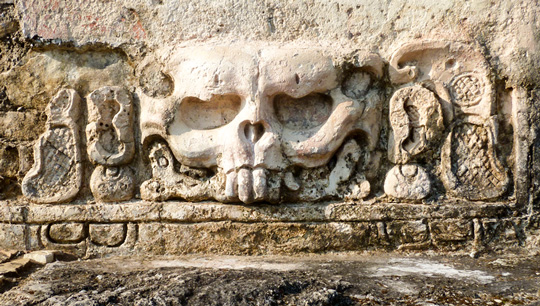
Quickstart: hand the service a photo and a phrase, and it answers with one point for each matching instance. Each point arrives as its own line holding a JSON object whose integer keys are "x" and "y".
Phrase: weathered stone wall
{"x": 309, "y": 126}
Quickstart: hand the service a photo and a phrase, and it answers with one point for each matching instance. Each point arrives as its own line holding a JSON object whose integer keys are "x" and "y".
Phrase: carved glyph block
{"x": 66, "y": 232}
{"x": 111, "y": 143}
{"x": 110, "y": 137}
{"x": 57, "y": 172}
{"x": 470, "y": 167}
{"x": 248, "y": 124}
{"x": 416, "y": 120}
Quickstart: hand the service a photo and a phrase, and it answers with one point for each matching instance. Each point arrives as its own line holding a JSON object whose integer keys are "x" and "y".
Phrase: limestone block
{"x": 12, "y": 236}
{"x": 14, "y": 266}
{"x": 178, "y": 211}
{"x": 111, "y": 143}
{"x": 450, "y": 230}
{"x": 253, "y": 238}
{"x": 6, "y": 255}
{"x": 40, "y": 257}
{"x": 151, "y": 239}
{"x": 471, "y": 168}
{"x": 110, "y": 130}
{"x": 11, "y": 213}
{"x": 499, "y": 234}
{"x": 406, "y": 232}
{"x": 261, "y": 238}
{"x": 119, "y": 239}
{"x": 137, "y": 211}
{"x": 57, "y": 173}
{"x": 34, "y": 238}
{"x": 65, "y": 237}
{"x": 112, "y": 184}
{"x": 416, "y": 120}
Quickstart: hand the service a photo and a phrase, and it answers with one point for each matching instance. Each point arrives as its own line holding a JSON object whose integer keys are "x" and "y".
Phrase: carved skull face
{"x": 245, "y": 111}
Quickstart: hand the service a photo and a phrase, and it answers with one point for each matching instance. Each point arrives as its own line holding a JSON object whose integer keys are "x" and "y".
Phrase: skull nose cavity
{"x": 253, "y": 132}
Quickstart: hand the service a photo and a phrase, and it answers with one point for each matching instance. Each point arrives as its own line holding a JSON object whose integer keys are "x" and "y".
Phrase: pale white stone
{"x": 407, "y": 182}
{"x": 40, "y": 257}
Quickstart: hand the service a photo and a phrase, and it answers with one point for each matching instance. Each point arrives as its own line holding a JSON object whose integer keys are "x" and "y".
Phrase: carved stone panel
{"x": 445, "y": 84}
{"x": 250, "y": 125}
{"x": 57, "y": 172}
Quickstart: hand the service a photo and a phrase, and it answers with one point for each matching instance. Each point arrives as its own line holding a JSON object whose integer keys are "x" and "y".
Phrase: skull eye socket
{"x": 205, "y": 115}
{"x": 302, "y": 113}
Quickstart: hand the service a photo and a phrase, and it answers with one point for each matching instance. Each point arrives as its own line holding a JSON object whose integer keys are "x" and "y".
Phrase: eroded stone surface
{"x": 112, "y": 184}
{"x": 471, "y": 168}
{"x": 107, "y": 234}
{"x": 318, "y": 280}
{"x": 407, "y": 182}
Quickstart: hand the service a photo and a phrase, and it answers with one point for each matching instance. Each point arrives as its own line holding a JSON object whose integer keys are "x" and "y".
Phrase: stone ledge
{"x": 168, "y": 228}
{"x": 142, "y": 211}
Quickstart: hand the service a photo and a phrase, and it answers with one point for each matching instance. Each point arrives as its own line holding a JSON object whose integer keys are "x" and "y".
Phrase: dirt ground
{"x": 374, "y": 279}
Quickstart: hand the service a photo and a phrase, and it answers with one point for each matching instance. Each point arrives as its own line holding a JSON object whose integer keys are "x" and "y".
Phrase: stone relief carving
{"x": 57, "y": 172}
{"x": 261, "y": 124}
{"x": 87, "y": 239}
{"x": 254, "y": 125}
{"x": 111, "y": 143}
{"x": 450, "y": 82}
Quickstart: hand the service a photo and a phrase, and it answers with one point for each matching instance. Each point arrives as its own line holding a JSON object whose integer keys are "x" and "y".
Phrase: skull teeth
{"x": 246, "y": 184}
{"x": 259, "y": 184}
{"x": 230, "y": 185}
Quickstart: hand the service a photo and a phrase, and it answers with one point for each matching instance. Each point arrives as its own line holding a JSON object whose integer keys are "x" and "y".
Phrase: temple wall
{"x": 269, "y": 127}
